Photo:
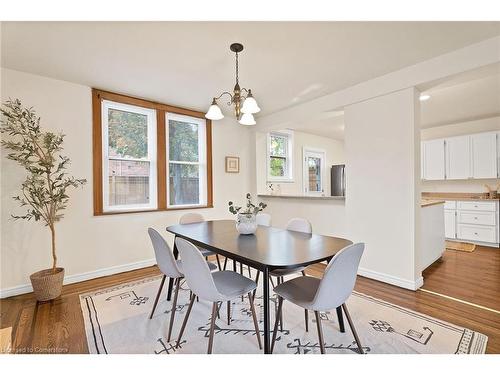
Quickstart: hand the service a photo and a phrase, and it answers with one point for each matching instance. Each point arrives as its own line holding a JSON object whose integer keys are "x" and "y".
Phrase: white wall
{"x": 87, "y": 243}
{"x": 462, "y": 128}
{"x": 334, "y": 154}
{"x": 382, "y": 147}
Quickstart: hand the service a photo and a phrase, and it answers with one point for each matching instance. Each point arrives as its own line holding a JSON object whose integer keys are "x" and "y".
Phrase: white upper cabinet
{"x": 433, "y": 160}
{"x": 458, "y": 158}
{"x": 484, "y": 155}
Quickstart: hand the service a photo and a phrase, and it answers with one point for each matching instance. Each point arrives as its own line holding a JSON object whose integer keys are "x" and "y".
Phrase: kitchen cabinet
{"x": 484, "y": 155}
{"x": 450, "y": 224}
{"x": 473, "y": 156}
{"x": 458, "y": 158}
{"x": 472, "y": 221}
{"x": 433, "y": 160}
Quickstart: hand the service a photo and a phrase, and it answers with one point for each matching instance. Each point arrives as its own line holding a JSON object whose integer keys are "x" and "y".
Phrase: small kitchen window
{"x": 279, "y": 160}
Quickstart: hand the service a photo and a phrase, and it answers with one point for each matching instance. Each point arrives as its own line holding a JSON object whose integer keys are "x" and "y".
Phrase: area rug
{"x": 460, "y": 246}
{"x": 116, "y": 321}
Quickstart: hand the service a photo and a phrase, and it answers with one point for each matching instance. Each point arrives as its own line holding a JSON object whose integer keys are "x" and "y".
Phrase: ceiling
{"x": 187, "y": 63}
{"x": 465, "y": 97}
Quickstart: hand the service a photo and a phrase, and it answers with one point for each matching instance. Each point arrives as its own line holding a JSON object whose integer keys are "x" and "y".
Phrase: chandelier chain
{"x": 237, "y": 69}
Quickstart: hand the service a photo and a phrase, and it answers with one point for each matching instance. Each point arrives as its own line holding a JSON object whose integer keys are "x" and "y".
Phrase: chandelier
{"x": 242, "y": 99}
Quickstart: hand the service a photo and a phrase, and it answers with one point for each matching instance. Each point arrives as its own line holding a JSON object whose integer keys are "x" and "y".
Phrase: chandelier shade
{"x": 240, "y": 98}
{"x": 247, "y": 119}
{"x": 214, "y": 112}
{"x": 250, "y": 104}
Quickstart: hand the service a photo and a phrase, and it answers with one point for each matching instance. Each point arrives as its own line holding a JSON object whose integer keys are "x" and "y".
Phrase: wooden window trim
{"x": 161, "y": 109}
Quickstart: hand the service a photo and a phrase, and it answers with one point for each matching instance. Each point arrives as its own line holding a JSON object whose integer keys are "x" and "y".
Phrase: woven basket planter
{"x": 47, "y": 285}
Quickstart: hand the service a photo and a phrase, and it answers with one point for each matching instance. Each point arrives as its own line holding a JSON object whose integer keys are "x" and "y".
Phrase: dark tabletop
{"x": 269, "y": 246}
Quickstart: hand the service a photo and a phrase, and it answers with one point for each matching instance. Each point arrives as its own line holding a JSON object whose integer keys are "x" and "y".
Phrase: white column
{"x": 382, "y": 146}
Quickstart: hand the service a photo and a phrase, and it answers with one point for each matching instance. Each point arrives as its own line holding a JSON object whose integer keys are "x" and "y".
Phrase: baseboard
{"x": 71, "y": 279}
{"x": 393, "y": 280}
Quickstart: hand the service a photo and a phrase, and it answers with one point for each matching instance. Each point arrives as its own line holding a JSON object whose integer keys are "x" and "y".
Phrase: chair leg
{"x": 254, "y": 316}
{"x": 241, "y": 273}
{"x": 212, "y": 326}
{"x": 272, "y": 282}
{"x": 228, "y": 312}
{"x": 280, "y": 281}
{"x": 225, "y": 263}
{"x": 249, "y": 272}
{"x": 275, "y": 330}
{"x": 303, "y": 273}
{"x": 174, "y": 307}
{"x": 218, "y": 261}
{"x": 158, "y": 296}
{"x": 341, "y": 319}
{"x": 306, "y": 318}
{"x": 351, "y": 324}
{"x": 185, "y": 320}
{"x": 320, "y": 332}
{"x": 256, "y": 282}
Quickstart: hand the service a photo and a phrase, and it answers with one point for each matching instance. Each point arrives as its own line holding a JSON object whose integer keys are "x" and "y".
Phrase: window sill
{"x": 110, "y": 213}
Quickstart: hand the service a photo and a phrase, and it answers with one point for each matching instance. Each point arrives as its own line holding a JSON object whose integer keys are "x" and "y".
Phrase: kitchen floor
{"x": 473, "y": 277}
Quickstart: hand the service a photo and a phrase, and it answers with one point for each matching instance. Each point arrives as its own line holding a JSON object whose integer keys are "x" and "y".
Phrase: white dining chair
{"x": 324, "y": 294}
{"x": 217, "y": 287}
{"x": 263, "y": 219}
{"x": 297, "y": 225}
{"x": 169, "y": 267}
{"x": 194, "y": 217}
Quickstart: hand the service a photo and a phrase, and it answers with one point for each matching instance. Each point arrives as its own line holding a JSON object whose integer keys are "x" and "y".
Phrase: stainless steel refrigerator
{"x": 338, "y": 180}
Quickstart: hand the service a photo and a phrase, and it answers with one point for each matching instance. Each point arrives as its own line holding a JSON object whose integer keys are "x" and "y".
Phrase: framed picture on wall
{"x": 232, "y": 164}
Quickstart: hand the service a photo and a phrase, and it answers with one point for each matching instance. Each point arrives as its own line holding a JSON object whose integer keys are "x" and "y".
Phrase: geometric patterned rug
{"x": 116, "y": 321}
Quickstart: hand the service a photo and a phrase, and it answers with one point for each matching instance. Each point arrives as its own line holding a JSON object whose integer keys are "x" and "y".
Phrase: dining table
{"x": 268, "y": 249}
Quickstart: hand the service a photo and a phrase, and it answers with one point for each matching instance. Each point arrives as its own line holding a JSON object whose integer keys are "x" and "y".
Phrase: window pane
{"x": 183, "y": 141}
{"x": 278, "y": 167}
{"x": 314, "y": 168}
{"x": 278, "y": 145}
{"x": 184, "y": 184}
{"x": 128, "y": 182}
{"x": 127, "y": 134}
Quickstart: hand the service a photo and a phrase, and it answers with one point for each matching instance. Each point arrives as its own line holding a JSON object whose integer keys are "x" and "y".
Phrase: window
{"x": 129, "y": 157}
{"x": 149, "y": 156}
{"x": 186, "y": 161}
{"x": 279, "y": 147}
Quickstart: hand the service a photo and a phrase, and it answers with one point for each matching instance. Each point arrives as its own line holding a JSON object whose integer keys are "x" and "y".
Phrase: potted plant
{"x": 246, "y": 220}
{"x": 44, "y": 191}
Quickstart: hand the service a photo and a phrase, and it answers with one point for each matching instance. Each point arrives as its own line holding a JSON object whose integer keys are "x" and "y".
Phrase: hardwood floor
{"x": 57, "y": 326}
{"x": 473, "y": 277}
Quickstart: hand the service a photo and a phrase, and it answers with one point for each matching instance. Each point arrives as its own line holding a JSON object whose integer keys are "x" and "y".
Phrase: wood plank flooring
{"x": 473, "y": 277}
{"x": 57, "y": 326}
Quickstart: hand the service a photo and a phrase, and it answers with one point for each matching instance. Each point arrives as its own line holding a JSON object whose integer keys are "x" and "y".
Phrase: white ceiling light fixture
{"x": 245, "y": 105}
{"x": 247, "y": 119}
{"x": 424, "y": 97}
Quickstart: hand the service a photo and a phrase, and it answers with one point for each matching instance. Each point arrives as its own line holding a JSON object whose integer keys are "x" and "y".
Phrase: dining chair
{"x": 169, "y": 267}
{"x": 324, "y": 294}
{"x": 296, "y": 225}
{"x": 263, "y": 219}
{"x": 193, "y": 217}
{"x": 217, "y": 287}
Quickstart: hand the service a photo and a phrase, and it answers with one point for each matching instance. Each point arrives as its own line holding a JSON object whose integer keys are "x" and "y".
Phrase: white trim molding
{"x": 26, "y": 288}
{"x": 393, "y": 280}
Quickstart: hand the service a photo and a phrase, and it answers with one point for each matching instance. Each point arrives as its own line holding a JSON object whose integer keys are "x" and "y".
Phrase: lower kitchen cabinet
{"x": 473, "y": 221}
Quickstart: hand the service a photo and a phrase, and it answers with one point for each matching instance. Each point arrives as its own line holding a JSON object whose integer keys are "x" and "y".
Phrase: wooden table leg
{"x": 170, "y": 280}
{"x": 265, "y": 286}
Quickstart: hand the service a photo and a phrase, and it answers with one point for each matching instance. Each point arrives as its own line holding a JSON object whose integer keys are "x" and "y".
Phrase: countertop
{"x": 457, "y": 196}
{"x": 429, "y": 202}
{"x": 325, "y": 198}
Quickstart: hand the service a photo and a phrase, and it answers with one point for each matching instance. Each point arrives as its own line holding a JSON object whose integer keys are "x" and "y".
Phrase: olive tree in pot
{"x": 44, "y": 191}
